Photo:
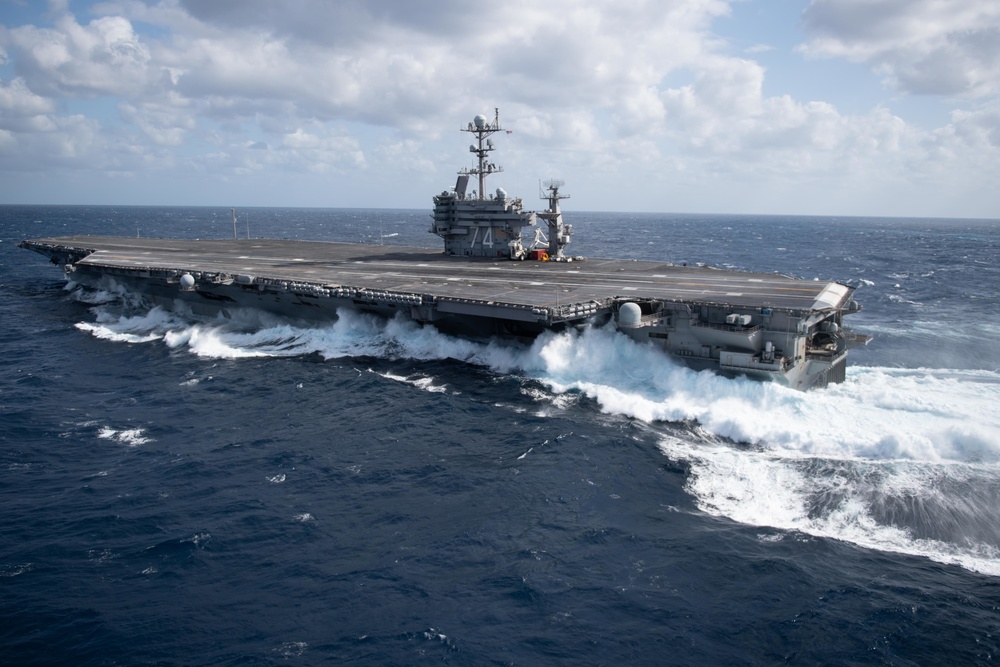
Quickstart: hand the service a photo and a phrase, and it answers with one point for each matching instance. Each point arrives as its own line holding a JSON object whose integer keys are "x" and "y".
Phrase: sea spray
{"x": 914, "y": 414}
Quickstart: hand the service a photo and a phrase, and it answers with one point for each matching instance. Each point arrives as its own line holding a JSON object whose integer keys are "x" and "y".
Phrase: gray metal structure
{"x": 764, "y": 326}
{"x": 479, "y": 225}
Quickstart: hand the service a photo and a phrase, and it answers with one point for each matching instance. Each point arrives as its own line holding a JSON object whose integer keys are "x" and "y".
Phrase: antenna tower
{"x": 482, "y": 128}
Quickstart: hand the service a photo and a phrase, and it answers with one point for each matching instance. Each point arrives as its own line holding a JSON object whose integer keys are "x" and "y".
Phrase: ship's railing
{"x": 654, "y": 319}
{"x": 855, "y": 339}
{"x": 731, "y": 328}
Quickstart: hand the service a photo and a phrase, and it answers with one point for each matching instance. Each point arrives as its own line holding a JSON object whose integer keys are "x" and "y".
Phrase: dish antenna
{"x": 552, "y": 185}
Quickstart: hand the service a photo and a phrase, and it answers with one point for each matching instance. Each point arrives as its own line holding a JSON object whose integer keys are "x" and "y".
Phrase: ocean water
{"x": 180, "y": 491}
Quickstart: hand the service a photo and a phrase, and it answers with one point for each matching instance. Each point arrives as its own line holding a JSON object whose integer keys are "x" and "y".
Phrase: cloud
{"x": 766, "y": 151}
{"x": 977, "y": 128}
{"x": 55, "y": 142}
{"x": 932, "y": 47}
{"x": 724, "y": 127}
{"x": 347, "y": 22}
{"x": 17, "y": 101}
{"x": 104, "y": 57}
{"x": 166, "y": 121}
{"x": 596, "y": 92}
{"x": 320, "y": 150}
{"x": 725, "y": 112}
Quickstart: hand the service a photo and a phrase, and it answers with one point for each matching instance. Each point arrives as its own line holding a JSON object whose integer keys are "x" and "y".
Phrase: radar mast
{"x": 559, "y": 233}
{"x": 482, "y": 148}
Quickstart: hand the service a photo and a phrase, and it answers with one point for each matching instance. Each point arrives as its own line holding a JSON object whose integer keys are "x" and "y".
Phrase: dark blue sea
{"x": 179, "y": 491}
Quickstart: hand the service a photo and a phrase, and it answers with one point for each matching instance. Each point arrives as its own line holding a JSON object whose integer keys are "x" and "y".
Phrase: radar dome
{"x": 629, "y": 315}
{"x": 480, "y": 121}
{"x": 187, "y": 282}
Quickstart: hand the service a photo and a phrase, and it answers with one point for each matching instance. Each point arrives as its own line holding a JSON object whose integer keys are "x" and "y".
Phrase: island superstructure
{"x": 479, "y": 225}
{"x": 499, "y": 275}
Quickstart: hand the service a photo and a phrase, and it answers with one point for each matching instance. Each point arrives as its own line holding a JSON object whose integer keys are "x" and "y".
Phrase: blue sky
{"x": 828, "y": 107}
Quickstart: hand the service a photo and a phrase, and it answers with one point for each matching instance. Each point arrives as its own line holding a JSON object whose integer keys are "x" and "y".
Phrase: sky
{"x": 797, "y": 107}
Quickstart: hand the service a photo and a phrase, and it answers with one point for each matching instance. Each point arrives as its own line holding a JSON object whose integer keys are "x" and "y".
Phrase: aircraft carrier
{"x": 493, "y": 278}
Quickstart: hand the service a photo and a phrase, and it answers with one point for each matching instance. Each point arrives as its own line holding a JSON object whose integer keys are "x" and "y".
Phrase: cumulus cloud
{"x": 104, "y": 57}
{"x": 164, "y": 121}
{"x": 320, "y": 150}
{"x": 17, "y": 101}
{"x": 398, "y": 64}
{"x": 55, "y": 142}
{"x": 980, "y": 127}
{"x": 935, "y": 47}
{"x": 724, "y": 111}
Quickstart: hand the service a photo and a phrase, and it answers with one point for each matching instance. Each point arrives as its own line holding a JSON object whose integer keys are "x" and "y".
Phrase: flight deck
{"x": 425, "y": 271}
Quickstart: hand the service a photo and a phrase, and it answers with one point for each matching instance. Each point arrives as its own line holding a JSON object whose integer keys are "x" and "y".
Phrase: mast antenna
{"x": 482, "y": 129}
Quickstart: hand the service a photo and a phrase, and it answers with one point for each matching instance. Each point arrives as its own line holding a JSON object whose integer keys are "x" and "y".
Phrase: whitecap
{"x": 292, "y": 649}
{"x": 420, "y": 382}
{"x": 131, "y": 437}
{"x": 15, "y": 569}
{"x": 938, "y": 511}
{"x": 199, "y": 539}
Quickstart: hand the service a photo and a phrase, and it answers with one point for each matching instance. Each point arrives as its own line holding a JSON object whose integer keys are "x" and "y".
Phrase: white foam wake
{"x": 901, "y": 460}
{"x": 143, "y": 328}
{"x": 878, "y": 413}
{"x": 923, "y": 436}
{"x": 941, "y": 512}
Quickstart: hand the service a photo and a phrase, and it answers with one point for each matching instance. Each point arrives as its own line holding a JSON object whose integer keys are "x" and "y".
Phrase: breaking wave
{"x": 901, "y": 460}
{"x": 944, "y": 512}
{"x": 132, "y": 437}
